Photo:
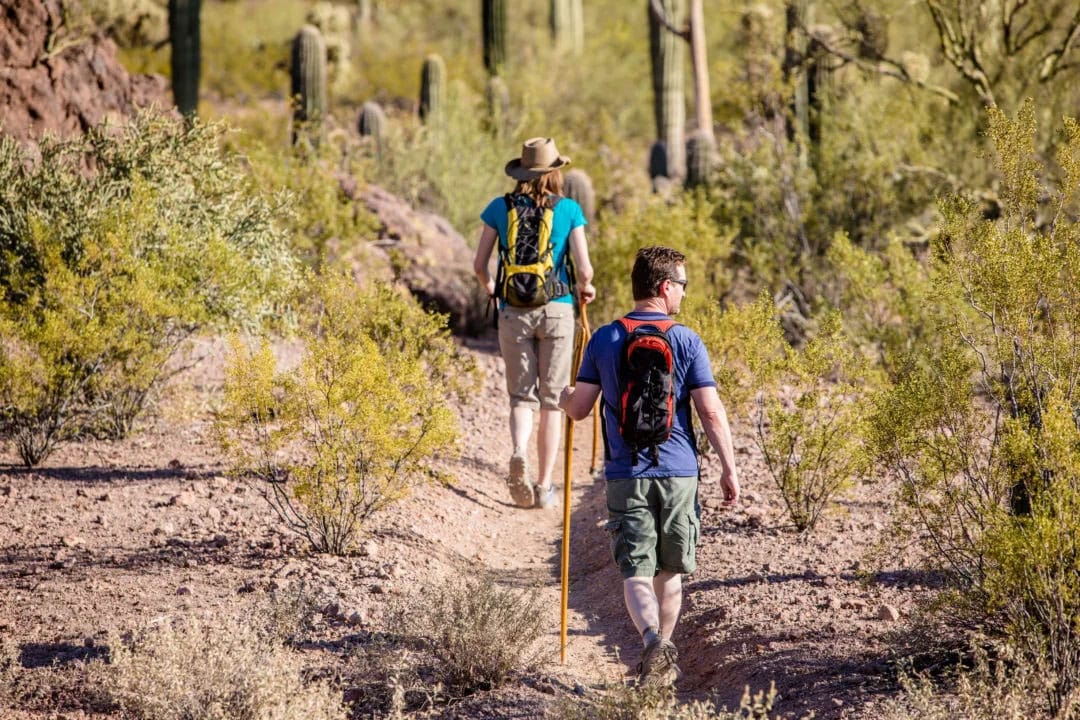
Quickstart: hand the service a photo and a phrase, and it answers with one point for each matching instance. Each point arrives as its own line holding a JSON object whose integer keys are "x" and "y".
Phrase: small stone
{"x": 183, "y": 590}
{"x": 213, "y": 514}
{"x": 79, "y": 492}
{"x": 175, "y": 464}
{"x": 356, "y": 619}
{"x": 88, "y": 641}
{"x": 888, "y": 613}
{"x": 103, "y": 497}
{"x": 837, "y": 702}
{"x": 835, "y": 603}
{"x": 184, "y": 499}
{"x": 72, "y": 541}
{"x": 379, "y": 589}
{"x": 165, "y": 528}
{"x": 5, "y": 490}
{"x": 369, "y": 549}
{"x": 331, "y": 610}
{"x": 219, "y": 541}
{"x": 579, "y": 689}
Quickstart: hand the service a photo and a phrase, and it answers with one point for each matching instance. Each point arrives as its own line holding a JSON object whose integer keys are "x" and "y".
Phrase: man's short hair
{"x": 652, "y": 266}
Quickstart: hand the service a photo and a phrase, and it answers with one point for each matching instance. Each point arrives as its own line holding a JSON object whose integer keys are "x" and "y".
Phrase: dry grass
{"x": 215, "y": 670}
{"x": 624, "y": 703}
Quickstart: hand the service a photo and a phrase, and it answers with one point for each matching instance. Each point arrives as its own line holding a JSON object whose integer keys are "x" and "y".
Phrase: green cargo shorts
{"x": 654, "y": 525}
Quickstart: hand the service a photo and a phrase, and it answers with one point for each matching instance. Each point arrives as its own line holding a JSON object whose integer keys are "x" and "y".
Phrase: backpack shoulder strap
{"x": 632, "y": 324}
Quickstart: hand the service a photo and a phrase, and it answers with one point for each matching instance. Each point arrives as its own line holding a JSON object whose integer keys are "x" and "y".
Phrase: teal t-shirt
{"x": 566, "y": 216}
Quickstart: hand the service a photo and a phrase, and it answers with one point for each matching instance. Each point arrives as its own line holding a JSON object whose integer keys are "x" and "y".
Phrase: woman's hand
{"x": 586, "y": 293}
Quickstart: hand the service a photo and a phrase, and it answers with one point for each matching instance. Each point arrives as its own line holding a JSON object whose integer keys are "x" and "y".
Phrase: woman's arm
{"x": 488, "y": 236}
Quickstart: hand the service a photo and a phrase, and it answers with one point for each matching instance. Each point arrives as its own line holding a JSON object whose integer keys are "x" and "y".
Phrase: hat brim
{"x": 515, "y": 170}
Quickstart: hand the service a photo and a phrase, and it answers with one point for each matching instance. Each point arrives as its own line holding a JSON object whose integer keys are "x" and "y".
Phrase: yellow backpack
{"x": 527, "y": 275}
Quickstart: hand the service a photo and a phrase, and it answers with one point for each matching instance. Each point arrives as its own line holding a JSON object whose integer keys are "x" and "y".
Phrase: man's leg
{"x": 642, "y": 606}
{"x": 547, "y": 444}
{"x": 667, "y": 587}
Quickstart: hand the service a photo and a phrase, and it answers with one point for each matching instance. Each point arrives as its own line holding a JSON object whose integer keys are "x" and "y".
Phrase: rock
{"x": 165, "y": 528}
{"x": 213, "y": 514}
{"x": 835, "y": 603}
{"x": 82, "y": 84}
{"x": 357, "y": 618}
{"x": 175, "y": 464}
{"x": 72, "y": 541}
{"x": 755, "y": 516}
{"x": 219, "y": 541}
{"x": 183, "y": 590}
{"x": 5, "y": 491}
{"x": 888, "y": 613}
{"x": 379, "y": 589}
{"x": 369, "y": 549}
{"x": 184, "y": 499}
{"x": 751, "y": 498}
{"x": 434, "y": 260}
{"x": 331, "y": 610}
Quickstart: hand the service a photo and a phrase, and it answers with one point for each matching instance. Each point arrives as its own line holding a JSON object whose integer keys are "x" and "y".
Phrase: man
{"x": 653, "y": 514}
{"x": 536, "y": 339}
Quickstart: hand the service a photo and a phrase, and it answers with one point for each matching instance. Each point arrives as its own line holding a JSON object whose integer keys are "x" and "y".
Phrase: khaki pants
{"x": 536, "y": 345}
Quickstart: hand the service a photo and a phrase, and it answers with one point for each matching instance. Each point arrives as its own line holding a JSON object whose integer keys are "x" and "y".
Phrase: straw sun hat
{"x": 538, "y": 156}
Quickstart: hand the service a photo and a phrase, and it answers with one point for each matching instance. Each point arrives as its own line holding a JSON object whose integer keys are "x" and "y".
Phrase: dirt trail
{"x": 108, "y": 536}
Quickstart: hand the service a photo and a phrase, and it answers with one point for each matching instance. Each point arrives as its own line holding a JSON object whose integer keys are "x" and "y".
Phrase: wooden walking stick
{"x": 581, "y": 337}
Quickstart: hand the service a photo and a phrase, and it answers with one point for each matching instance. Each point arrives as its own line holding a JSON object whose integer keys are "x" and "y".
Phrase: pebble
{"x": 183, "y": 590}
{"x": 888, "y": 613}
{"x": 369, "y": 549}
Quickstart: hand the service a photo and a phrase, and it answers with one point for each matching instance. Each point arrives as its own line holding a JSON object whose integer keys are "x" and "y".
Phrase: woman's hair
{"x": 542, "y": 188}
{"x": 652, "y": 266}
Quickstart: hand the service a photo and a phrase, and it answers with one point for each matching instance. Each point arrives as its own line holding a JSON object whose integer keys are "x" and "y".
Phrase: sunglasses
{"x": 680, "y": 282}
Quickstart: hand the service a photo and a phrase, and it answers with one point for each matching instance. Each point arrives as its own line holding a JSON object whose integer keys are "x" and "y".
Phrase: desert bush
{"x": 479, "y": 632}
{"x": 625, "y": 703}
{"x": 746, "y": 346}
{"x": 981, "y": 429}
{"x": 685, "y": 224}
{"x": 218, "y": 670}
{"x": 997, "y": 688}
{"x": 116, "y": 248}
{"x": 354, "y": 427}
{"x": 811, "y": 432}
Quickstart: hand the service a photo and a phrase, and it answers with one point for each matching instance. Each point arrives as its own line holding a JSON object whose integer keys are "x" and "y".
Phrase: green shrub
{"x": 219, "y": 670}
{"x": 684, "y": 224}
{"x": 812, "y": 439}
{"x": 115, "y": 248}
{"x": 746, "y": 346}
{"x": 982, "y": 429}
{"x": 353, "y": 427}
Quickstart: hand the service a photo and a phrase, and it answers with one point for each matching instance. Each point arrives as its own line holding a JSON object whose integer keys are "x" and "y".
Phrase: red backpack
{"x": 646, "y": 407}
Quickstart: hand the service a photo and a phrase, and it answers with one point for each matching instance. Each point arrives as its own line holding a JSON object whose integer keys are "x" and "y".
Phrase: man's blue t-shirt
{"x": 692, "y": 370}
{"x": 566, "y": 216}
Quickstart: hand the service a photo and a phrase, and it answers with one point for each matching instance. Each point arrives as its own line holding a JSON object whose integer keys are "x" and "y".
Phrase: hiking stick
{"x": 580, "y": 338}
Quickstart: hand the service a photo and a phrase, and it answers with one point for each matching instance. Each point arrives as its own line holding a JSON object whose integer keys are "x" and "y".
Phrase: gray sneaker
{"x": 543, "y": 498}
{"x": 658, "y": 664}
{"x": 521, "y": 488}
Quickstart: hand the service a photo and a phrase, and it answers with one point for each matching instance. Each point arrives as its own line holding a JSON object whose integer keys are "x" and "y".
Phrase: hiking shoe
{"x": 543, "y": 498}
{"x": 521, "y": 489}
{"x": 658, "y": 668}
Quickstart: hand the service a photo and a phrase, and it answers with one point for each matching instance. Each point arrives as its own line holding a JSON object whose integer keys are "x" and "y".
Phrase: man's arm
{"x": 483, "y": 254}
{"x": 715, "y": 422}
{"x": 577, "y": 401}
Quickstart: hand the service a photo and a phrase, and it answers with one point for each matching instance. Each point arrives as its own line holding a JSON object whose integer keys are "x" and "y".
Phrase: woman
{"x": 536, "y": 306}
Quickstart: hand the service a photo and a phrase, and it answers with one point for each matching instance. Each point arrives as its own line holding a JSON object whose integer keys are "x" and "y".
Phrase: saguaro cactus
{"x": 371, "y": 123}
{"x": 432, "y": 90}
{"x": 578, "y": 185}
{"x": 493, "y": 14}
{"x": 308, "y": 71}
{"x": 185, "y": 54}
{"x": 700, "y": 159}
{"x": 497, "y": 97}
{"x": 669, "y": 100}
{"x": 567, "y": 25}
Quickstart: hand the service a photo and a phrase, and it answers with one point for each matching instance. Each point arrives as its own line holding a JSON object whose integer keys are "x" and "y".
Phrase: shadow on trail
{"x": 38, "y": 655}
{"x": 33, "y": 564}
{"x": 93, "y": 474}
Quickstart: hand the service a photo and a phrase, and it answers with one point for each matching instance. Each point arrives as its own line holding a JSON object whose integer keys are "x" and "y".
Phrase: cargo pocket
{"x": 615, "y": 540}
{"x": 558, "y": 320}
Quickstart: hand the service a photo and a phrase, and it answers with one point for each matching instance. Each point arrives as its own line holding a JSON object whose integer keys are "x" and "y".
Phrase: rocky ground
{"x": 106, "y": 536}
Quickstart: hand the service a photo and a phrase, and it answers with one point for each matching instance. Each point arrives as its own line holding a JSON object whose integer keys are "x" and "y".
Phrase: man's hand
{"x": 730, "y": 483}
{"x": 564, "y": 397}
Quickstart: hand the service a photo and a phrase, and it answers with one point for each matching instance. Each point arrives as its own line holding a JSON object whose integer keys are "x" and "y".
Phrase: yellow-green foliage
{"x": 887, "y": 297}
{"x": 104, "y": 272}
{"x": 984, "y": 425}
{"x": 746, "y": 346}
{"x": 354, "y": 427}
{"x": 811, "y": 432}
{"x": 684, "y": 224}
{"x": 222, "y": 669}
